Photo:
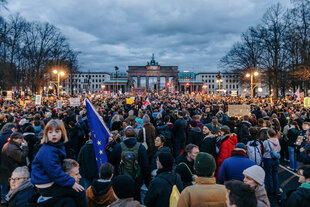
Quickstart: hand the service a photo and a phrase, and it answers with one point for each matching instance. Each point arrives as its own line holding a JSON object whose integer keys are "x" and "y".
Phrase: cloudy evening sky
{"x": 192, "y": 34}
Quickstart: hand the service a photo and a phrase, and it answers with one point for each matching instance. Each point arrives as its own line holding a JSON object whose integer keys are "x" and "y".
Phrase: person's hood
{"x": 130, "y": 142}
{"x": 168, "y": 176}
{"x": 28, "y": 133}
{"x": 274, "y": 141}
{"x": 232, "y": 139}
{"x": 100, "y": 187}
{"x": 196, "y": 129}
{"x": 90, "y": 142}
{"x": 210, "y": 136}
{"x": 247, "y": 123}
{"x": 304, "y": 191}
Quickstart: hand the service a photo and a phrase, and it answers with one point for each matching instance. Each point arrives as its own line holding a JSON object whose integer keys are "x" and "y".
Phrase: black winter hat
{"x": 166, "y": 159}
{"x": 123, "y": 186}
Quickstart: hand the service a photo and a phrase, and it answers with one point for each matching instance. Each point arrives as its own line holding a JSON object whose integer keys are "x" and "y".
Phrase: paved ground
{"x": 288, "y": 180}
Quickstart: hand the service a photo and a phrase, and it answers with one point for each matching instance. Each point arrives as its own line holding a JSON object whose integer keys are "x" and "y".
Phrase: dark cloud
{"x": 191, "y": 34}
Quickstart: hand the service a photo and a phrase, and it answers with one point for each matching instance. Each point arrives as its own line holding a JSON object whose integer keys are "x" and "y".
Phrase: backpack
{"x": 174, "y": 197}
{"x": 175, "y": 194}
{"x": 254, "y": 151}
{"x": 129, "y": 161}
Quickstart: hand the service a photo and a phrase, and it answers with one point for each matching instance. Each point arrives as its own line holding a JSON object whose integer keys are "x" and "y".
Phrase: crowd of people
{"x": 174, "y": 151}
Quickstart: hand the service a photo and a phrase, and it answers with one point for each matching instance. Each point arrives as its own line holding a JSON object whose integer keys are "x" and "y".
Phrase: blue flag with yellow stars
{"x": 99, "y": 133}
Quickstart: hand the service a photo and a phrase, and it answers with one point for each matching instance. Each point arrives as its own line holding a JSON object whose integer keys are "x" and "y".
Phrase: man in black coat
{"x": 208, "y": 144}
{"x": 160, "y": 188}
{"x": 185, "y": 164}
{"x": 195, "y": 135}
{"x": 88, "y": 164}
{"x": 301, "y": 197}
{"x": 130, "y": 142}
{"x": 179, "y": 133}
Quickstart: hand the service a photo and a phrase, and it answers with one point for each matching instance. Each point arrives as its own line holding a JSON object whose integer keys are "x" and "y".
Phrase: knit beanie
{"x": 146, "y": 119}
{"x": 166, "y": 160}
{"x": 139, "y": 121}
{"x": 240, "y": 145}
{"x": 255, "y": 172}
{"x": 123, "y": 186}
{"x": 225, "y": 129}
{"x": 204, "y": 164}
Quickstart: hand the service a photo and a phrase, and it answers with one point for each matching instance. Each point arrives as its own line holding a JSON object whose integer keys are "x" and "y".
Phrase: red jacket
{"x": 226, "y": 148}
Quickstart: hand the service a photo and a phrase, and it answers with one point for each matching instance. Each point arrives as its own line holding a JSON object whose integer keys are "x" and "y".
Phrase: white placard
{"x": 234, "y": 93}
{"x": 9, "y": 95}
{"x": 238, "y": 110}
{"x": 59, "y": 104}
{"x": 38, "y": 100}
{"x": 75, "y": 102}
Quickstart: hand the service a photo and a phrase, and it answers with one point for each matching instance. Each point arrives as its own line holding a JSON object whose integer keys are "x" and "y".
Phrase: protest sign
{"x": 307, "y": 102}
{"x": 9, "y": 95}
{"x": 59, "y": 104}
{"x": 238, "y": 110}
{"x": 130, "y": 100}
{"x": 38, "y": 100}
{"x": 75, "y": 102}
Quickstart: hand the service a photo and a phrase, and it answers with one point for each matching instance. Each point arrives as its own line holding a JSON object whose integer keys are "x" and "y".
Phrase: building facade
{"x": 153, "y": 77}
{"x": 225, "y": 83}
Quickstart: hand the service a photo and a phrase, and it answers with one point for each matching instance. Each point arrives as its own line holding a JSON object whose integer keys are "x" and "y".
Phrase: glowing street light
{"x": 59, "y": 73}
{"x": 252, "y": 81}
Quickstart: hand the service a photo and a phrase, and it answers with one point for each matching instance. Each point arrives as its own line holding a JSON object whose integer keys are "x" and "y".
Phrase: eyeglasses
{"x": 16, "y": 179}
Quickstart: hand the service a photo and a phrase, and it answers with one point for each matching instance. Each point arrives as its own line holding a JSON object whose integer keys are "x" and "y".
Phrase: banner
{"x": 75, "y": 102}
{"x": 238, "y": 110}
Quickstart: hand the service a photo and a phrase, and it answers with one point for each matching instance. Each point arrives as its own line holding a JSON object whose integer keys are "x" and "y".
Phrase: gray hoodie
{"x": 275, "y": 145}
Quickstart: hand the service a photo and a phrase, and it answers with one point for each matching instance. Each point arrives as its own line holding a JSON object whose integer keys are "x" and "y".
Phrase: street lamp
{"x": 116, "y": 73}
{"x": 59, "y": 73}
{"x": 219, "y": 80}
{"x": 252, "y": 81}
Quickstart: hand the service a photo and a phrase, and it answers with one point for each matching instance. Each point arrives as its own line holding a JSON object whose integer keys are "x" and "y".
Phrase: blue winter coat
{"x": 46, "y": 166}
{"x": 232, "y": 168}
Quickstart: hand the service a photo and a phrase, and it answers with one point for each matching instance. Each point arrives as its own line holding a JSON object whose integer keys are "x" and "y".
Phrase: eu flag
{"x": 99, "y": 133}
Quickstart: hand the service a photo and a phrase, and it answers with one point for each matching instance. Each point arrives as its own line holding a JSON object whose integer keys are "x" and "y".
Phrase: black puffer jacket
{"x": 160, "y": 188}
{"x": 195, "y": 136}
{"x": 301, "y": 197}
{"x": 209, "y": 145}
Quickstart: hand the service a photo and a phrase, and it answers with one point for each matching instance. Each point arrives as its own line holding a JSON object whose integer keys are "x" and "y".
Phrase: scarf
{"x": 239, "y": 153}
{"x": 26, "y": 184}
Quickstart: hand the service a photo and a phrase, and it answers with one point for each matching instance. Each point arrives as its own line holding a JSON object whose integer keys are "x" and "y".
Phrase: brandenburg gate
{"x": 153, "y": 77}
